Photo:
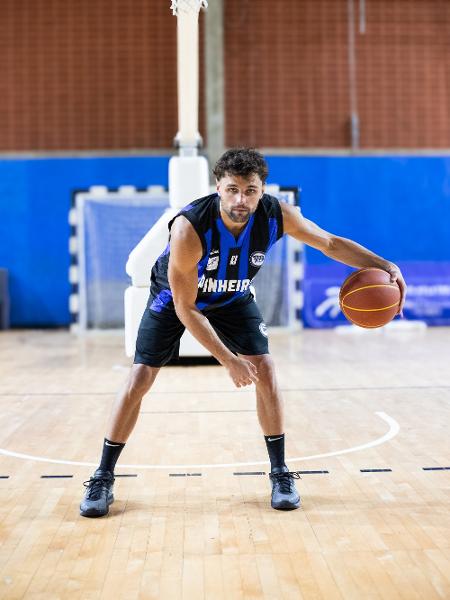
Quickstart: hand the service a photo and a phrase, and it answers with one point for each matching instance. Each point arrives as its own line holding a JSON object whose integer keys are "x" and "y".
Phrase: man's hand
{"x": 242, "y": 371}
{"x": 396, "y": 276}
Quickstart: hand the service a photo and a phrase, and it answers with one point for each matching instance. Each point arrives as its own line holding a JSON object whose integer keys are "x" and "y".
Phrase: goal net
{"x": 110, "y": 224}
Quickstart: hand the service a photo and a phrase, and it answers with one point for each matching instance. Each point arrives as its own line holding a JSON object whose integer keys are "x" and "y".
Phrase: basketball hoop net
{"x": 187, "y": 6}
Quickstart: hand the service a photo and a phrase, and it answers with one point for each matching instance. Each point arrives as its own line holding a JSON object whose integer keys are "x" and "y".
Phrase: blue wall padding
{"x": 397, "y": 206}
{"x": 35, "y": 198}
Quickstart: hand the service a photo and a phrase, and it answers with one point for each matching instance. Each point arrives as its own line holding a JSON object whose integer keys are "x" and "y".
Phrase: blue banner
{"x": 428, "y": 297}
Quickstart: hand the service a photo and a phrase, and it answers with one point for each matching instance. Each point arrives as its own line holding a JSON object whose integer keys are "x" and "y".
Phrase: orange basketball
{"x": 368, "y": 298}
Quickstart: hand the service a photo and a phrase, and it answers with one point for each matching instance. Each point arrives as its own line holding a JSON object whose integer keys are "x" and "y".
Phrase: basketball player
{"x": 202, "y": 282}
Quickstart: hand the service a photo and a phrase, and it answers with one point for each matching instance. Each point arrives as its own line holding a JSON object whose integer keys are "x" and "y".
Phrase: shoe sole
{"x": 95, "y": 514}
{"x": 287, "y": 507}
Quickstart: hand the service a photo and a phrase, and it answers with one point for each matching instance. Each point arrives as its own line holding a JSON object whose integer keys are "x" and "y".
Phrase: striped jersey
{"x": 228, "y": 264}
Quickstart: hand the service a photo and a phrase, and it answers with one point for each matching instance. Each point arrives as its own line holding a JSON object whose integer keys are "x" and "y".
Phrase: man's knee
{"x": 141, "y": 379}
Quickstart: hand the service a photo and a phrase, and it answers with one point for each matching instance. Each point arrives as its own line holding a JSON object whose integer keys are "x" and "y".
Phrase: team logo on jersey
{"x": 257, "y": 258}
{"x": 263, "y": 329}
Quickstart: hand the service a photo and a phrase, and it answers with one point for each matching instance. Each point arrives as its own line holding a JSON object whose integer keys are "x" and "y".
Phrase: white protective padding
{"x": 187, "y": 71}
{"x": 144, "y": 255}
{"x": 188, "y": 179}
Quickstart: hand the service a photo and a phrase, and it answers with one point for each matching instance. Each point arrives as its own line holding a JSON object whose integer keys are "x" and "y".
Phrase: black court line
{"x": 436, "y": 468}
{"x": 313, "y": 472}
{"x": 376, "y": 470}
{"x": 205, "y": 392}
{"x": 240, "y": 473}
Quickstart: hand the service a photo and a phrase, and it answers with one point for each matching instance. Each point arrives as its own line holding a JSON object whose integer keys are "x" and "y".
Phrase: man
{"x": 201, "y": 281}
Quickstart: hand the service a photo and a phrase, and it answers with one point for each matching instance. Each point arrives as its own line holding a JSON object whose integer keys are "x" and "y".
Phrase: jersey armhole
{"x": 279, "y": 217}
{"x": 194, "y": 224}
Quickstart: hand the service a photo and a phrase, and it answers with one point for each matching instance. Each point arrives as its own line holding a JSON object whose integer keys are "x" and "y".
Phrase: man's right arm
{"x": 185, "y": 254}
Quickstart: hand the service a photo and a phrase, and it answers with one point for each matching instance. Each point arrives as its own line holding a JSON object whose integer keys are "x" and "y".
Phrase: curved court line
{"x": 394, "y": 428}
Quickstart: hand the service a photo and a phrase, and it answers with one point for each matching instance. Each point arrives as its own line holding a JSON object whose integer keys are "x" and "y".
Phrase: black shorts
{"x": 239, "y": 325}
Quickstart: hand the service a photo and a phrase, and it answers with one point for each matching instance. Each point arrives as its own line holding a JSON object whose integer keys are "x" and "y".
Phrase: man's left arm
{"x": 336, "y": 247}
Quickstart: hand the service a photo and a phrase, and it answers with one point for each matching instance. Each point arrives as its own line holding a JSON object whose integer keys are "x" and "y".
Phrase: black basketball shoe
{"x": 99, "y": 494}
{"x": 284, "y": 492}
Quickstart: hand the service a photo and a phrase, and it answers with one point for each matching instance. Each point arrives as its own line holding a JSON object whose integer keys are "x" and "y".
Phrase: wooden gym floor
{"x": 373, "y": 408}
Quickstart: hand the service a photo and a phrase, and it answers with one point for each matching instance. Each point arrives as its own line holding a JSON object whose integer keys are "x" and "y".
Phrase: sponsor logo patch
{"x": 213, "y": 262}
{"x": 257, "y": 258}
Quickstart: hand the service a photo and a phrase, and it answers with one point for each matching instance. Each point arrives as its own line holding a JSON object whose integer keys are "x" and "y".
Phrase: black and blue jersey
{"x": 228, "y": 263}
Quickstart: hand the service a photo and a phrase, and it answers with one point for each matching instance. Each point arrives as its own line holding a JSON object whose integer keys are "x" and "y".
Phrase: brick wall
{"x": 287, "y": 74}
{"x": 101, "y": 74}
{"x": 87, "y": 74}
{"x": 404, "y": 74}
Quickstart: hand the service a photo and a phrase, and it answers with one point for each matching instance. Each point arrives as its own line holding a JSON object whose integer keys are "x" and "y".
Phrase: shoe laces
{"x": 285, "y": 480}
{"x": 95, "y": 486}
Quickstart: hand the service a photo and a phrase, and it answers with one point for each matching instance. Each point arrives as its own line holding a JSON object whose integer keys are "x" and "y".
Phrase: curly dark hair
{"x": 242, "y": 162}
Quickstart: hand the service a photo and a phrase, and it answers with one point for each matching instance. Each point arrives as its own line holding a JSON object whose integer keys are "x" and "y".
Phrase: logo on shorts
{"x": 213, "y": 260}
{"x": 257, "y": 258}
{"x": 263, "y": 329}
